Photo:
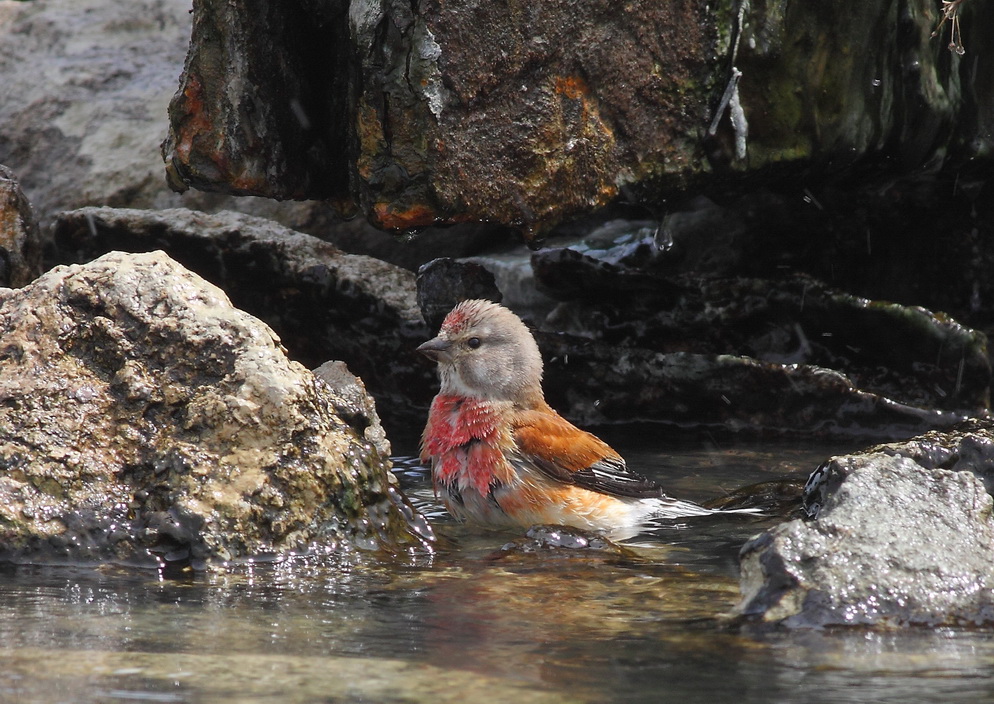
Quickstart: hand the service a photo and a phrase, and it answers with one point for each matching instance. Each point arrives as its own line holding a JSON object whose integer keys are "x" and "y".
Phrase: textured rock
{"x": 561, "y": 107}
{"x": 443, "y": 283}
{"x": 20, "y": 239}
{"x": 274, "y": 117}
{"x": 968, "y": 447}
{"x": 895, "y": 541}
{"x": 596, "y": 383}
{"x": 145, "y": 420}
{"x": 354, "y": 405}
{"x": 905, "y": 353}
{"x": 323, "y": 303}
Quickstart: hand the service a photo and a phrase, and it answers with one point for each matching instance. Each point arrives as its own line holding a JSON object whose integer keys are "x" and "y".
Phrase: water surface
{"x": 475, "y": 622}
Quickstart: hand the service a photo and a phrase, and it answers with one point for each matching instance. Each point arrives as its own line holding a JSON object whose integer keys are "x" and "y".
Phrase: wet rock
{"x": 564, "y": 541}
{"x": 561, "y": 108}
{"x": 968, "y": 447}
{"x": 20, "y": 239}
{"x": 639, "y": 288}
{"x": 323, "y": 303}
{"x": 354, "y": 405}
{"x": 896, "y": 540}
{"x": 595, "y": 383}
{"x": 86, "y": 87}
{"x": 443, "y": 283}
{"x": 443, "y": 127}
{"x": 231, "y": 133}
{"x": 144, "y": 420}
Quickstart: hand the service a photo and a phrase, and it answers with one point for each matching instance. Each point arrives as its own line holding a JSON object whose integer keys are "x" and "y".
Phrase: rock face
{"x": 324, "y": 304}
{"x": 145, "y": 420}
{"x": 903, "y": 353}
{"x": 903, "y": 534}
{"x": 228, "y": 91}
{"x": 598, "y": 383}
{"x": 20, "y": 239}
{"x": 558, "y": 108}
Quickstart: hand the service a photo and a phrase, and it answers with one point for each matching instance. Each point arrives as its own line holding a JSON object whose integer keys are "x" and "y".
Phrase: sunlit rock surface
{"x": 145, "y": 420}
{"x": 902, "y": 534}
{"x": 20, "y": 238}
{"x": 323, "y": 303}
{"x": 531, "y": 114}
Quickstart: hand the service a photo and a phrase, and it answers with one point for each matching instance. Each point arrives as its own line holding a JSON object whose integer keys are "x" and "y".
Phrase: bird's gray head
{"x": 484, "y": 351}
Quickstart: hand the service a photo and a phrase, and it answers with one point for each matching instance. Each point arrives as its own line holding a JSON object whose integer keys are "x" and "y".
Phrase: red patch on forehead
{"x": 465, "y": 315}
{"x": 456, "y": 320}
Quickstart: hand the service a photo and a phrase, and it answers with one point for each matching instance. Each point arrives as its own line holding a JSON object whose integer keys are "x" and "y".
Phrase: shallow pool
{"x": 476, "y": 622}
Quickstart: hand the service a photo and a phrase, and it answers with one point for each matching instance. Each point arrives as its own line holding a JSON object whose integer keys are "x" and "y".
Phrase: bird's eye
{"x": 473, "y": 343}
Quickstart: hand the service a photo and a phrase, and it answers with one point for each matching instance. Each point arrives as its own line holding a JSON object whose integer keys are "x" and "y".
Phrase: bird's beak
{"x": 437, "y": 349}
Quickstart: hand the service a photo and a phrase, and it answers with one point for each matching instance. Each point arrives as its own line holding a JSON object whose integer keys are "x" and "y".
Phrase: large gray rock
{"x": 895, "y": 540}
{"x": 145, "y": 420}
{"x": 324, "y": 304}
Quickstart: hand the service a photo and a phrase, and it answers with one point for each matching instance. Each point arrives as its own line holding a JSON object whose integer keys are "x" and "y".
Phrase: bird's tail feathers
{"x": 669, "y": 508}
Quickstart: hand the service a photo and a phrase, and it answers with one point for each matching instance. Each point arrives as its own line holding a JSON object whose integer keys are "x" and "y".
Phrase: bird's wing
{"x": 561, "y": 451}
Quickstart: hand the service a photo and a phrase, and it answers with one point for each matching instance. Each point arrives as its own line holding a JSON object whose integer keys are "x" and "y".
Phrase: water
{"x": 475, "y": 623}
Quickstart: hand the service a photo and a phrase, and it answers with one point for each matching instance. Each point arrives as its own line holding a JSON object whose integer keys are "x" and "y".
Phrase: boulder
{"x": 144, "y": 420}
{"x": 901, "y": 534}
{"x": 559, "y": 108}
{"x": 323, "y": 303}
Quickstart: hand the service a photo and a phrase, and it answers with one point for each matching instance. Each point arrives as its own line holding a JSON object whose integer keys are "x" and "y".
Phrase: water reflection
{"x": 473, "y": 622}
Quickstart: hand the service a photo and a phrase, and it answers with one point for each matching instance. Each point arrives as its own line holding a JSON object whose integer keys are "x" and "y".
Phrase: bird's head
{"x": 484, "y": 351}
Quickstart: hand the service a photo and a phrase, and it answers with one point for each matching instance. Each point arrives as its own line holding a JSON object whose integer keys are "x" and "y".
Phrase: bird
{"x": 502, "y": 457}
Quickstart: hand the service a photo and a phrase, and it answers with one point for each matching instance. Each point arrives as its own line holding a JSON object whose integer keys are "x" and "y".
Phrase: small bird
{"x": 501, "y": 456}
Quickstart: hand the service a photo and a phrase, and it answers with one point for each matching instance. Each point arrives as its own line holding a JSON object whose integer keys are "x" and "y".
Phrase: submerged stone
{"x": 145, "y": 420}
{"x": 564, "y": 541}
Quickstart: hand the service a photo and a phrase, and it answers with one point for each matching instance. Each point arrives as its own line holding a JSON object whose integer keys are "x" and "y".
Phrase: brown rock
{"x": 527, "y": 115}
{"x": 20, "y": 239}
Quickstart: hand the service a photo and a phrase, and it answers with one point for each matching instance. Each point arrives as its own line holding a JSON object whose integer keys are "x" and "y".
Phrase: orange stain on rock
{"x": 415, "y": 216}
{"x": 197, "y": 121}
{"x": 572, "y": 87}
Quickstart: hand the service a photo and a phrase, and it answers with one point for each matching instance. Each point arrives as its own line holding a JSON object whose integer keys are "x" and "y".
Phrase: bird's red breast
{"x": 463, "y": 439}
